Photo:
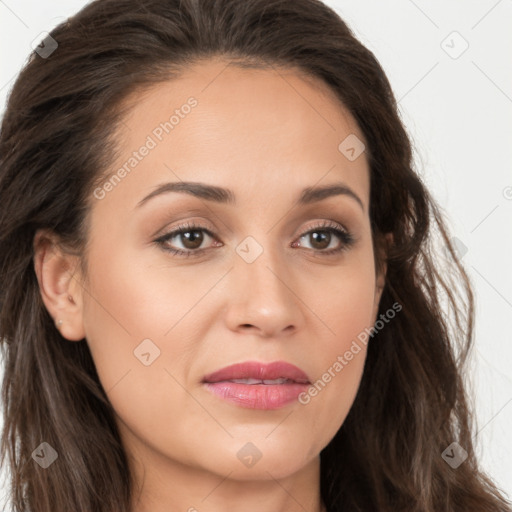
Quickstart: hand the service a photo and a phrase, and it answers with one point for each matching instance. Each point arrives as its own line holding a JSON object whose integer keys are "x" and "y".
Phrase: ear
{"x": 380, "y": 280}
{"x": 59, "y": 284}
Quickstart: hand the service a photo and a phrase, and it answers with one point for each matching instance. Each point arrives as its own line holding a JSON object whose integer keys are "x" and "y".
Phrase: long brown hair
{"x": 57, "y": 141}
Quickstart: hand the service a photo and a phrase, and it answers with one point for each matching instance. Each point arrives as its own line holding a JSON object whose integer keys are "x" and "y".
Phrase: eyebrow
{"x": 226, "y": 196}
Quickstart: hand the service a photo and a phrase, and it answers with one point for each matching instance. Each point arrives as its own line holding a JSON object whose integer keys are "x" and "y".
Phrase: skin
{"x": 265, "y": 134}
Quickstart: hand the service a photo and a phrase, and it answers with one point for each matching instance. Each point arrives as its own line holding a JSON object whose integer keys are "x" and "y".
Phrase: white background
{"x": 458, "y": 112}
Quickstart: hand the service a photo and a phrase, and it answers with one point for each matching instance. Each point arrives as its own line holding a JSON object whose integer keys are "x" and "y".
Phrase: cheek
{"x": 340, "y": 366}
{"x": 132, "y": 317}
{"x": 140, "y": 311}
{"x": 345, "y": 306}
{"x": 130, "y": 311}
{"x": 132, "y": 299}
{"x": 344, "y": 299}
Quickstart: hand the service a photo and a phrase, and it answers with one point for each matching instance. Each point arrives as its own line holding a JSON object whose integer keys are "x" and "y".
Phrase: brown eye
{"x": 189, "y": 237}
{"x": 321, "y": 239}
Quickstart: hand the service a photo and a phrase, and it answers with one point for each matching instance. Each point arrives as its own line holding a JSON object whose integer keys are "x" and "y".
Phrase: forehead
{"x": 232, "y": 86}
{"x": 246, "y": 126}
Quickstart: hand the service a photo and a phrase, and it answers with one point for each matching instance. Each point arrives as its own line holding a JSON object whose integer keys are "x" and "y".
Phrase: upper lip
{"x": 257, "y": 370}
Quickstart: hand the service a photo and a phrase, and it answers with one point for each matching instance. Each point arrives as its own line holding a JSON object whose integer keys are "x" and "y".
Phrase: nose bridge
{"x": 260, "y": 265}
{"x": 263, "y": 297}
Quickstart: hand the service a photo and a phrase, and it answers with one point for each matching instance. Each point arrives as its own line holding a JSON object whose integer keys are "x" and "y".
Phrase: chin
{"x": 263, "y": 460}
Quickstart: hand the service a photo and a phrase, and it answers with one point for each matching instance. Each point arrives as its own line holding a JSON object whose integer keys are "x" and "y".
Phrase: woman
{"x": 219, "y": 290}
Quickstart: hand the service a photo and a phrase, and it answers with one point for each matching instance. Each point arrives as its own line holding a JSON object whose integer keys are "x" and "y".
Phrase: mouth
{"x": 258, "y": 385}
{"x": 254, "y": 372}
{"x": 267, "y": 382}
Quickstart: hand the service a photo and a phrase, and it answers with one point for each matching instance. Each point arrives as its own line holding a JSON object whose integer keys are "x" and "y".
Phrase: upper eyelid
{"x": 193, "y": 226}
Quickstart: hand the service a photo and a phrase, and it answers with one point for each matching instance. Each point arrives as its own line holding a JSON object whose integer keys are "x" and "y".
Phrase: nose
{"x": 261, "y": 297}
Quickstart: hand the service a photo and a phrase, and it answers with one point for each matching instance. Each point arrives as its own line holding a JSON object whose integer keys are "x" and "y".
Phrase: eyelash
{"x": 347, "y": 240}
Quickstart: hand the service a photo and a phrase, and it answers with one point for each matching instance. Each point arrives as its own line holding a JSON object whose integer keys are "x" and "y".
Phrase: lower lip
{"x": 257, "y": 396}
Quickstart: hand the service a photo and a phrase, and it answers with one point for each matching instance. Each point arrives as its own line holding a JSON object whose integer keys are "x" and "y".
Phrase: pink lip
{"x": 256, "y": 370}
{"x": 258, "y": 396}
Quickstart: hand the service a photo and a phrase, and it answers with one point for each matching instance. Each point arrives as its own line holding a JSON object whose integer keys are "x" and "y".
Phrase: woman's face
{"x": 253, "y": 284}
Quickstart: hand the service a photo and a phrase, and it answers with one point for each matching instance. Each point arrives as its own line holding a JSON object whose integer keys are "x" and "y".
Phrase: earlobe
{"x": 59, "y": 285}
